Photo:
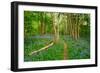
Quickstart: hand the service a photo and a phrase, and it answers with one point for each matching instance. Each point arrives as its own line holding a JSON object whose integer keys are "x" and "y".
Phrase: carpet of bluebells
{"x": 76, "y": 49}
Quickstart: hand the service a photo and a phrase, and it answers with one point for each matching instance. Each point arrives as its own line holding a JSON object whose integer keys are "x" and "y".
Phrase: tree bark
{"x": 56, "y": 27}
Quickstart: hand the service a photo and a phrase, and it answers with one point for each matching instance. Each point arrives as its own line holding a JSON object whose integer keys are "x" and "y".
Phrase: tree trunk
{"x": 42, "y": 27}
{"x": 56, "y": 27}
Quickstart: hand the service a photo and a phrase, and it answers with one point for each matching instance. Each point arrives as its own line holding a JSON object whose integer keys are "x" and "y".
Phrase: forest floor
{"x": 66, "y": 49}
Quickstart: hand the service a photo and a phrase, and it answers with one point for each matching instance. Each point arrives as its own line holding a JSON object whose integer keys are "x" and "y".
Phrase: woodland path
{"x": 50, "y": 44}
{"x": 66, "y": 48}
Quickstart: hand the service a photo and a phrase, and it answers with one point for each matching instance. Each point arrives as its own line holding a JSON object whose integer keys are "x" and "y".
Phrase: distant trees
{"x": 41, "y": 23}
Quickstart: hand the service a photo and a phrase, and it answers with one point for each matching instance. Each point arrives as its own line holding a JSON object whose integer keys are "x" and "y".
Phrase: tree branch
{"x": 49, "y": 45}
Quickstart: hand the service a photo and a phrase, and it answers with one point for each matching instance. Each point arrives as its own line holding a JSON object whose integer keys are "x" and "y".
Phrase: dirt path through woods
{"x": 65, "y": 51}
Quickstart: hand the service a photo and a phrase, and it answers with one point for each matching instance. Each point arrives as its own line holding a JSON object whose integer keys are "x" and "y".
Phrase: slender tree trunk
{"x": 78, "y": 26}
{"x": 56, "y": 27}
{"x": 68, "y": 24}
{"x": 39, "y": 23}
{"x": 42, "y": 27}
{"x": 65, "y": 24}
{"x": 78, "y": 29}
{"x": 75, "y": 17}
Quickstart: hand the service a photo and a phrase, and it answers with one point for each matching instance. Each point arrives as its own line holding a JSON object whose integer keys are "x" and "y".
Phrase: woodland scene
{"x": 52, "y": 36}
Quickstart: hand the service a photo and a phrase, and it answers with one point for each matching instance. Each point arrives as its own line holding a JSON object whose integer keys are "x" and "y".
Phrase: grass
{"x": 79, "y": 49}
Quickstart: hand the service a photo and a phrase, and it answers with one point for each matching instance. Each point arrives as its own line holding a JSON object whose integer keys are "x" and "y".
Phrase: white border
{"x": 22, "y": 64}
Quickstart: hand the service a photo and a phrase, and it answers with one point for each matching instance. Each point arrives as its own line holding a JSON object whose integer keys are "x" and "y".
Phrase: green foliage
{"x": 76, "y": 49}
{"x": 39, "y": 31}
